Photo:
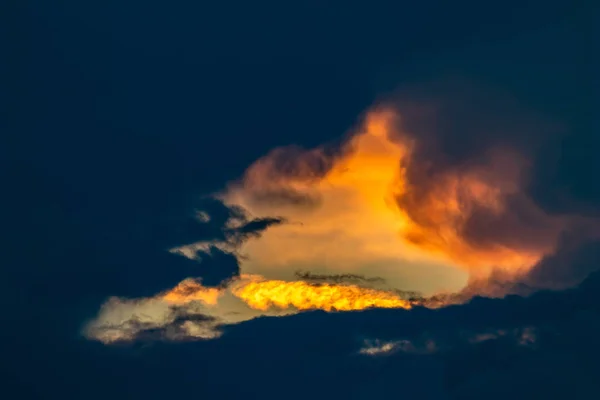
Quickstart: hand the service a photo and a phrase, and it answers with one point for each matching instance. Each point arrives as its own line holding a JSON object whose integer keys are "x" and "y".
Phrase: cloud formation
{"x": 191, "y": 310}
{"x": 421, "y": 185}
{"x": 422, "y": 181}
{"x": 443, "y": 342}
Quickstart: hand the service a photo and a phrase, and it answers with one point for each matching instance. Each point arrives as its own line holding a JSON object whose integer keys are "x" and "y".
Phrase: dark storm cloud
{"x": 561, "y": 364}
{"x": 462, "y": 130}
{"x": 566, "y": 171}
{"x": 509, "y": 346}
{"x": 523, "y": 220}
{"x": 457, "y": 121}
{"x": 576, "y": 257}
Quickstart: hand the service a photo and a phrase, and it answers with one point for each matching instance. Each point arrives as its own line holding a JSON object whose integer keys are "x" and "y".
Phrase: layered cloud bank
{"x": 431, "y": 196}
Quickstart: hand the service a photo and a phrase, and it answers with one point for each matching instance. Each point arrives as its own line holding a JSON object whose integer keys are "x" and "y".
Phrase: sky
{"x": 350, "y": 199}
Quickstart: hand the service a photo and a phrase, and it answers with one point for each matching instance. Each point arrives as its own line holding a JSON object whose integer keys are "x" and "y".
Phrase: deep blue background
{"x": 119, "y": 114}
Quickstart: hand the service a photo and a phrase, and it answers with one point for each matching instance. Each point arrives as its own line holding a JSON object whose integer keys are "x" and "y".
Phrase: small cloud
{"x": 380, "y": 348}
{"x": 384, "y": 348}
{"x": 202, "y": 216}
{"x": 441, "y": 342}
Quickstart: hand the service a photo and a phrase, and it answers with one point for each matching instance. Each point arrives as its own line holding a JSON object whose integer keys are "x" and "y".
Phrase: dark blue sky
{"x": 120, "y": 114}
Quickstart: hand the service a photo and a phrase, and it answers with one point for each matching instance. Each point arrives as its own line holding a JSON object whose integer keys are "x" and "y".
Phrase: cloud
{"x": 466, "y": 177}
{"x": 194, "y": 311}
{"x": 122, "y": 320}
{"x": 423, "y": 182}
{"x": 440, "y": 176}
{"x": 444, "y": 173}
{"x": 443, "y": 342}
{"x": 378, "y": 348}
{"x": 573, "y": 261}
{"x": 337, "y": 278}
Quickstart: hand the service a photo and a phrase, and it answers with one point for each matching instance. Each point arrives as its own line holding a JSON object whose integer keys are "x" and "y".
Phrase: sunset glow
{"x": 364, "y": 208}
{"x": 262, "y": 295}
{"x": 373, "y": 209}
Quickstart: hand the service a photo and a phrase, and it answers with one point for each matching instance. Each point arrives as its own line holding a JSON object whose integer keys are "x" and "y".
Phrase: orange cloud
{"x": 263, "y": 294}
{"x": 341, "y": 213}
{"x": 375, "y": 207}
{"x": 374, "y": 202}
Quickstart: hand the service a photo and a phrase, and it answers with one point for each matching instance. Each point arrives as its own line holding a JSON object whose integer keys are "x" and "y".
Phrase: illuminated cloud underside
{"x": 193, "y": 311}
